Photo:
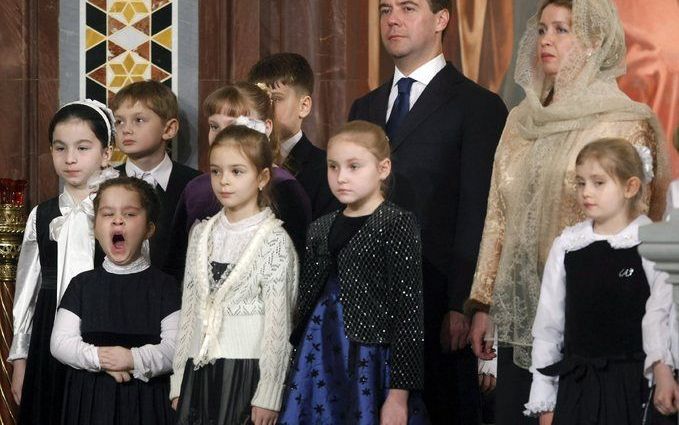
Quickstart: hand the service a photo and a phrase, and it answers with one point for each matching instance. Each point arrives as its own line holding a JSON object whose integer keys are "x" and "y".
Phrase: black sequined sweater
{"x": 380, "y": 275}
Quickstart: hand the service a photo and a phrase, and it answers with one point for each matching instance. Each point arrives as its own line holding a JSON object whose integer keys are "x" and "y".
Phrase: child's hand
{"x": 261, "y": 416}
{"x": 18, "y": 372}
{"x": 665, "y": 389}
{"x": 395, "y": 408}
{"x": 175, "y": 403}
{"x": 115, "y": 358}
{"x": 120, "y": 377}
{"x": 546, "y": 418}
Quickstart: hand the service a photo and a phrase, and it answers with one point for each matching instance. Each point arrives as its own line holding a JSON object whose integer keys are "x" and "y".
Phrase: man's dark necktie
{"x": 401, "y": 106}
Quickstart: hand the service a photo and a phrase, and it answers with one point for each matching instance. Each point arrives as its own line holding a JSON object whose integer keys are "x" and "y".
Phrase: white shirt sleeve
{"x": 26, "y": 290}
{"x": 152, "y": 360}
{"x": 67, "y": 345}
{"x": 656, "y": 324}
{"x": 548, "y": 330}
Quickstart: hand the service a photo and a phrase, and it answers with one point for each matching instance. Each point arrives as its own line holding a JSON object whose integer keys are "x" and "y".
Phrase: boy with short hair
{"x": 147, "y": 119}
{"x": 291, "y": 83}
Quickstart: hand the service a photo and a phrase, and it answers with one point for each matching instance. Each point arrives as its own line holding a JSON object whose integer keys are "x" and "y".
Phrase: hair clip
{"x": 255, "y": 124}
{"x": 646, "y": 162}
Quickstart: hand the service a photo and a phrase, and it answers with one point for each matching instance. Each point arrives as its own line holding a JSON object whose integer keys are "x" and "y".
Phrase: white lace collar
{"x": 582, "y": 234}
{"x": 136, "y": 266}
{"x": 245, "y": 224}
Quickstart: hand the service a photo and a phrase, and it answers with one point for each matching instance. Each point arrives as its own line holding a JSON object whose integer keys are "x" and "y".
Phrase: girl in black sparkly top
{"x": 358, "y": 326}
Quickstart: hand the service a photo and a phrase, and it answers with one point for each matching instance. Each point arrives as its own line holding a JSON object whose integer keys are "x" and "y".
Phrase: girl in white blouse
{"x": 58, "y": 244}
{"x": 240, "y": 286}
{"x": 588, "y": 357}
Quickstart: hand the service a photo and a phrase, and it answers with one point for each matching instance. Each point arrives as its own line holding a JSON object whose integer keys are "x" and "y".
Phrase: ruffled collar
{"x": 582, "y": 234}
{"x": 136, "y": 266}
{"x": 246, "y": 224}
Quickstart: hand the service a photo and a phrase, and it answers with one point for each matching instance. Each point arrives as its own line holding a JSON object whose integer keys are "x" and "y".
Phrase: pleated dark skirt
{"x": 97, "y": 399}
{"x": 43, "y": 389}
{"x": 599, "y": 391}
{"x": 218, "y": 393}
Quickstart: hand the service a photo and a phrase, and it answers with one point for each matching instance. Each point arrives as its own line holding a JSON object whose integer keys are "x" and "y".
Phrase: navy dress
{"x": 334, "y": 380}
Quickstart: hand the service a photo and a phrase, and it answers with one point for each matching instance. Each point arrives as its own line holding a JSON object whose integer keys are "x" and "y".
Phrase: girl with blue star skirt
{"x": 358, "y": 328}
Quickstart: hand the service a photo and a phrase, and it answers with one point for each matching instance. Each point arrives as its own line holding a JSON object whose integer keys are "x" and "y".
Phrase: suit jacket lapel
{"x": 298, "y": 156}
{"x": 438, "y": 92}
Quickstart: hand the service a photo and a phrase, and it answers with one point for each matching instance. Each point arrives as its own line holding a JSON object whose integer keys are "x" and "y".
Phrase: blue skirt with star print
{"x": 334, "y": 381}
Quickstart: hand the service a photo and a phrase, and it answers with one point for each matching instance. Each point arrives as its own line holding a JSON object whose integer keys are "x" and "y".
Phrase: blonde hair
{"x": 369, "y": 136}
{"x": 255, "y": 147}
{"x": 246, "y": 99}
{"x": 620, "y": 160}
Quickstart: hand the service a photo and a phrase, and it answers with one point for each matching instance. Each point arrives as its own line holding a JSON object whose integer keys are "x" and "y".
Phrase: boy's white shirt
{"x": 548, "y": 328}
{"x": 160, "y": 174}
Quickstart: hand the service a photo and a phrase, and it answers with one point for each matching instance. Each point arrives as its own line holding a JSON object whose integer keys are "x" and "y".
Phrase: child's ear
{"x": 632, "y": 187}
{"x": 305, "y": 104}
{"x": 106, "y": 156}
{"x": 384, "y": 168}
{"x": 171, "y": 128}
{"x": 264, "y": 177}
{"x": 269, "y": 127}
{"x": 151, "y": 230}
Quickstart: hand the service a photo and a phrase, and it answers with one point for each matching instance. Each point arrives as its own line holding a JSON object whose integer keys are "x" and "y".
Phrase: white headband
{"x": 646, "y": 161}
{"x": 103, "y": 110}
{"x": 255, "y": 124}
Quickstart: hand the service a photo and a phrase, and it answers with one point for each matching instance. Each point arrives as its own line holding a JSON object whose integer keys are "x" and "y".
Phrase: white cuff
{"x": 488, "y": 367}
{"x": 664, "y": 357}
{"x": 542, "y": 394}
{"x": 536, "y": 408}
{"x": 138, "y": 371}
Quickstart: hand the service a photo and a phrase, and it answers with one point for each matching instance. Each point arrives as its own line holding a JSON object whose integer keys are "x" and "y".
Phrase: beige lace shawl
{"x": 532, "y": 196}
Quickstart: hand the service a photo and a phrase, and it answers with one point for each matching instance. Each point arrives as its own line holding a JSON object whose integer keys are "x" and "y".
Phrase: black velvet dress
{"x": 119, "y": 310}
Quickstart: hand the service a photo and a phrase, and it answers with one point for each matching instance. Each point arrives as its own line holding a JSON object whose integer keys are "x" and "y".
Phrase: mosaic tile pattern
{"x": 126, "y": 41}
{"x": 123, "y": 42}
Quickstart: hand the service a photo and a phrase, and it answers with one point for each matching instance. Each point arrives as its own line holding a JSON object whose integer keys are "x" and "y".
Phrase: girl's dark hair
{"x": 87, "y": 114}
{"x": 256, "y": 147}
{"x": 147, "y": 195}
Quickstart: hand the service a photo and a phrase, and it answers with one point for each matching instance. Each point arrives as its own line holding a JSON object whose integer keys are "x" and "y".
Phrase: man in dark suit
{"x": 443, "y": 129}
{"x": 291, "y": 83}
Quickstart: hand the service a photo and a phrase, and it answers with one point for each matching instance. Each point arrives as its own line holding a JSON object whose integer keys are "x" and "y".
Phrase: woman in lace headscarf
{"x": 567, "y": 63}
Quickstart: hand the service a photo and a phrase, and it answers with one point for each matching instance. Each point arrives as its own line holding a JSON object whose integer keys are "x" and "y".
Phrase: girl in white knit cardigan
{"x": 240, "y": 287}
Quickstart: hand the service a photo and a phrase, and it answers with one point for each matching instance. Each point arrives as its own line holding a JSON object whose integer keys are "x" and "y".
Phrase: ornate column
{"x": 12, "y": 223}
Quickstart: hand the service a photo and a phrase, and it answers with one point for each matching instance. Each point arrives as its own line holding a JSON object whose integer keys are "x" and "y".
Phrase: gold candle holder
{"x": 12, "y": 223}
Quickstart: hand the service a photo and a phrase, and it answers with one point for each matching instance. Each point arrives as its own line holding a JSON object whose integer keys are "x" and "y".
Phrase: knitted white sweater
{"x": 250, "y": 315}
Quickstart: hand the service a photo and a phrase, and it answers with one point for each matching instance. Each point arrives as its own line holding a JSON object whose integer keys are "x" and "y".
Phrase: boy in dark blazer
{"x": 146, "y": 117}
{"x": 443, "y": 129}
{"x": 291, "y": 83}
